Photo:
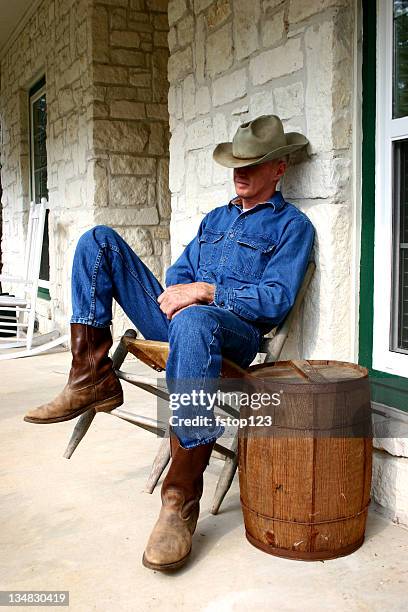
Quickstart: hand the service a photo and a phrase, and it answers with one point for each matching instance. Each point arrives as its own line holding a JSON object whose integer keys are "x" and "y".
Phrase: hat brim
{"x": 223, "y": 152}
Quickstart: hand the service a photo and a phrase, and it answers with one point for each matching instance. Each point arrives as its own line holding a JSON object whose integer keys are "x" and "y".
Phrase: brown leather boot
{"x": 92, "y": 381}
{"x": 170, "y": 541}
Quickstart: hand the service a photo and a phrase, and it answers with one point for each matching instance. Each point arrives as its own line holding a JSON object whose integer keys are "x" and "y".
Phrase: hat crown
{"x": 258, "y": 137}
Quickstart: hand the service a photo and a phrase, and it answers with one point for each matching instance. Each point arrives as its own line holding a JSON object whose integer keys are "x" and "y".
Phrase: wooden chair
{"x": 23, "y": 305}
{"x": 154, "y": 354}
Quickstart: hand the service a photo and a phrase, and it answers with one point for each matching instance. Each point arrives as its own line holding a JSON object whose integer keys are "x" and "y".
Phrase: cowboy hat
{"x": 258, "y": 141}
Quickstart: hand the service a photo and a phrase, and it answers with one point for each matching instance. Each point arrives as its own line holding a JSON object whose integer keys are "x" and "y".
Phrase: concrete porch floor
{"x": 82, "y": 524}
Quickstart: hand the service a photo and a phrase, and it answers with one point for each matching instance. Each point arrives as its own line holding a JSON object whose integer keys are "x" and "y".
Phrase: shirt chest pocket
{"x": 210, "y": 247}
{"x": 251, "y": 255}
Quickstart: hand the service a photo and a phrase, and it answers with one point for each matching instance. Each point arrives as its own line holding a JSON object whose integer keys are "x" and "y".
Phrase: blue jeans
{"x": 105, "y": 267}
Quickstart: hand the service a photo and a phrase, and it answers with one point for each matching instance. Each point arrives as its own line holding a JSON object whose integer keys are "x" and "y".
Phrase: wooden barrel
{"x": 305, "y": 479}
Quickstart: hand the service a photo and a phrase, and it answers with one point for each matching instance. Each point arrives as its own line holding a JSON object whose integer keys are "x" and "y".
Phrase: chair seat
{"x": 154, "y": 353}
{"x": 7, "y": 300}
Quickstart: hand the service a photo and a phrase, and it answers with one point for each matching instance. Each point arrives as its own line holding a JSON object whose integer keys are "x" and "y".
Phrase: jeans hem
{"x": 86, "y": 321}
{"x": 196, "y": 443}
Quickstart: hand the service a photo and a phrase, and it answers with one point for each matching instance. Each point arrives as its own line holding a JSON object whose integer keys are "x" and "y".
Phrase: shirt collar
{"x": 276, "y": 201}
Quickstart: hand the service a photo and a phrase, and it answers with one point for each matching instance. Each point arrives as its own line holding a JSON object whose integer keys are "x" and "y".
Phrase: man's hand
{"x": 177, "y": 297}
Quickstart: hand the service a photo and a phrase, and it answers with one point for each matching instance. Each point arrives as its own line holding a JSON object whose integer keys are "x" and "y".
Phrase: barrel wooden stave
{"x": 307, "y": 497}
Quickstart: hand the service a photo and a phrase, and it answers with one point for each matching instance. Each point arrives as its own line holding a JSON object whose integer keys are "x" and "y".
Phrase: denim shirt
{"x": 255, "y": 258}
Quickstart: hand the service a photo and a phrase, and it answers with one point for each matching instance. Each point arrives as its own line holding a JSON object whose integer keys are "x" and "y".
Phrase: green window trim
{"x": 386, "y": 388}
{"x": 43, "y": 293}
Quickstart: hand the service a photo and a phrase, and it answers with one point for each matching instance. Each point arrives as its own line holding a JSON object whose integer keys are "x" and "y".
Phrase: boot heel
{"x": 109, "y": 404}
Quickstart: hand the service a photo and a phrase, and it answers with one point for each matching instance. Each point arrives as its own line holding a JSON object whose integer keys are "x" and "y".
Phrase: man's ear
{"x": 281, "y": 168}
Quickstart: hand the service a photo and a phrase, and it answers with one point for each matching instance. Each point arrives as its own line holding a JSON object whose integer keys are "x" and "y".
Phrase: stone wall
{"x": 232, "y": 60}
{"x": 54, "y": 42}
{"x": 105, "y": 65}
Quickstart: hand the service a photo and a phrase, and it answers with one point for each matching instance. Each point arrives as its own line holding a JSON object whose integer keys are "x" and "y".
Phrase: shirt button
{"x": 222, "y": 303}
{"x": 231, "y": 235}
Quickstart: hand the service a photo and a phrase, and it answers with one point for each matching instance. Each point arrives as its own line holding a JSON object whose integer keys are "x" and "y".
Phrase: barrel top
{"x": 309, "y": 371}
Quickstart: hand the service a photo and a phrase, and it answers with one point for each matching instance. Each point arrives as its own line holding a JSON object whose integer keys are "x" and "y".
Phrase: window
{"x": 38, "y": 168}
{"x": 390, "y": 340}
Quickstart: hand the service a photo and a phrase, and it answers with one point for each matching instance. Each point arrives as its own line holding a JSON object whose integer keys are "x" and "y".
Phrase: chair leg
{"x": 226, "y": 477}
{"x": 80, "y": 430}
{"x": 159, "y": 464}
{"x": 86, "y": 419}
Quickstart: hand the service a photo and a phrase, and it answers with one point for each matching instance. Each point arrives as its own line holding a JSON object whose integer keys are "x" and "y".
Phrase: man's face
{"x": 253, "y": 180}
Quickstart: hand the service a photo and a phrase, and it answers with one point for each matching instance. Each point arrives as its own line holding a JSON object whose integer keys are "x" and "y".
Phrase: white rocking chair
{"x": 23, "y": 305}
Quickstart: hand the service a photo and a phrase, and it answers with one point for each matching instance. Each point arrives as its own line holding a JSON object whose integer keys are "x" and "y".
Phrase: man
{"x": 234, "y": 282}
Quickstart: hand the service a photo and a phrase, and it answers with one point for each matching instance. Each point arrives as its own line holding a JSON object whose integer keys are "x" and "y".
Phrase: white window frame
{"x": 388, "y": 130}
{"x": 44, "y": 284}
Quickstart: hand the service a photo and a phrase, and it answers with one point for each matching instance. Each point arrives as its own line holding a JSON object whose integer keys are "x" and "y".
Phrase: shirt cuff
{"x": 223, "y": 297}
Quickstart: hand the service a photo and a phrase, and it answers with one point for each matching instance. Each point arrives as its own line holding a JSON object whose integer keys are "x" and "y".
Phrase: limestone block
{"x": 189, "y": 107}
{"x": 114, "y": 2}
{"x": 220, "y": 128}
{"x": 199, "y": 50}
{"x": 161, "y": 22}
{"x": 218, "y": 12}
{"x": 203, "y": 101}
{"x": 163, "y": 193}
{"x": 201, "y": 5}
{"x": 271, "y": 4}
{"x": 177, "y": 161}
{"x": 156, "y": 5}
{"x": 128, "y": 164}
{"x": 65, "y": 101}
{"x": 140, "y": 78}
{"x": 199, "y": 134}
{"x": 127, "y": 109}
{"x": 122, "y": 217}
{"x": 128, "y": 57}
{"x": 128, "y": 191}
{"x": 110, "y": 74}
{"x": 301, "y": 9}
{"x": 230, "y": 87}
{"x": 185, "y": 31}
{"x": 319, "y": 96}
{"x": 123, "y": 38}
{"x": 140, "y": 240}
{"x": 390, "y": 485}
{"x": 160, "y": 58}
{"x": 210, "y": 199}
{"x": 289, "y": 100}
{"x": 172, "y": 39}
{"x": 277, "y": 62}
{"x": 180, "y": 65}
{"x": 246, "y": 18}
{"x": 219, "y": 51}
{"x": 204, "y": 166}
{"x": 273, "y": 29}
{"x": 157, "y": 111}
{"x": 261, "y": 103}
{"x": 319, "y": 178}
{"x": 176, "y": 10}
{"x": 118, "y": 19}
{"x": 160, "y": 39}
{"x": 120, "y": 136}
{"x": 99, "y": 182}
{"x": 100, "y": 35}
{"x": 157, "y": 144}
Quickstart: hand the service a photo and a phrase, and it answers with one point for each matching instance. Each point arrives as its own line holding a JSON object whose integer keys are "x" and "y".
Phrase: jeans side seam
{"x": 207, "y": 365}
{"x": 93, "y": 282}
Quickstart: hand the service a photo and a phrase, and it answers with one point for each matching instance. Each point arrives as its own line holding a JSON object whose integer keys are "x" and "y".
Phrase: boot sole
{"x": 165, "y": 566}
{"x": 104, "y": 406}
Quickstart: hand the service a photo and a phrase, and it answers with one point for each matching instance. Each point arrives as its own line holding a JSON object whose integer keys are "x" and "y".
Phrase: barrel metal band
{"x": 279, "y": 520}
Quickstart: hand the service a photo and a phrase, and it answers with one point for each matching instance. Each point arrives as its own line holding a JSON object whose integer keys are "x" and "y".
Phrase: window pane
{"x": 400, "y": 267}
{"x": 400, "y": 76}
{"x": 39, "y": 171}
